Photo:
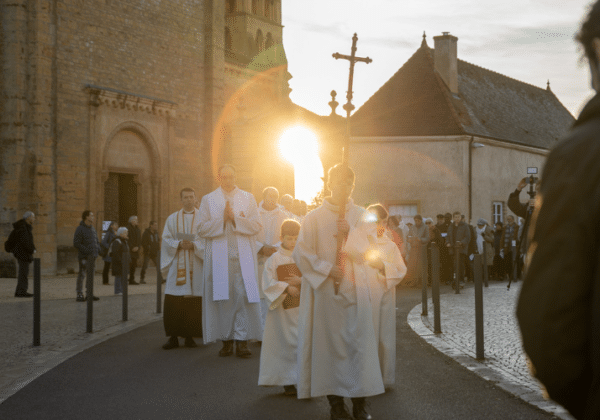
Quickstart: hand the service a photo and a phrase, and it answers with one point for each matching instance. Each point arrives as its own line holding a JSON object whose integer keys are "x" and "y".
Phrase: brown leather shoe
{"x": 227, "y": 349}
{"x": 242, "y": 350}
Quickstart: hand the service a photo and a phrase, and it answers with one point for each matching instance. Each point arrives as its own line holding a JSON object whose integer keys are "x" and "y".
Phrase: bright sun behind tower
{"x": 300, "y": 147}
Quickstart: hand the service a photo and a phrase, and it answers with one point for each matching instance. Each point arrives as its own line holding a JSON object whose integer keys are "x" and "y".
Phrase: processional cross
{"x": 349, "y": 108}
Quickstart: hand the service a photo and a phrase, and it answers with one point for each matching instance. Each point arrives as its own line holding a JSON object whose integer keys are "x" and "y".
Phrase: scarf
{"x": 480, "y": 239}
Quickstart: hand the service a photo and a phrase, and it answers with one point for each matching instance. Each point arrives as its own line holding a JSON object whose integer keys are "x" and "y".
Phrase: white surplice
{"x": 382, "y": 289}
{"x": 171, "y": 258}
{"x": 269, "y": 234}
{"x": 231, "y": 299}
{"x": 394, "y": 272}
{"x": 278, "y": 358}
{"x": 337, "y": 343}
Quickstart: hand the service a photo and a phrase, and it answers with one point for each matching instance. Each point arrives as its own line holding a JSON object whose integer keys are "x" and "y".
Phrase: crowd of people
{"x": 120, "y": 250}
{"x": 499, "y": 245}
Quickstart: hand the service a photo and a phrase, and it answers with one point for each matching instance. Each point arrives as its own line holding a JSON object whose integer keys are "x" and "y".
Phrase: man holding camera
{"x": 525, "y": 211}
{"x": 559, "y": 305}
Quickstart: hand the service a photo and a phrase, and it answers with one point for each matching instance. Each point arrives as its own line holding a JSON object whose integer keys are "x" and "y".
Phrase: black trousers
{"x": 105, "y": 272}
{"x": 132, "y": 267}
{"x": 156, "y": 262}
{"x": 22, "y": 283}
{"x": 183, "y": 316}
{"x": 508, "y": 263}
{"x": 446, "y": 265}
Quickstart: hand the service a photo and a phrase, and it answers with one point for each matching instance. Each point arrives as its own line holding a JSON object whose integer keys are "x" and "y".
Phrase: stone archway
{"x": 131, "y": 173}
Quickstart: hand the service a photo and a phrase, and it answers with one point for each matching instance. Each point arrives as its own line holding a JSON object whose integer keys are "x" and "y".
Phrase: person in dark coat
{"x": 458, "y": 232}
{"x": 23, "y": 250}
{"x": 471, "y": 250}
{"x": 445, "y": 260}
{"x": 559, "y": 305}
{"x": 86, "y": 242}
{"x": 509, "y": 239}
{"x": 110, "y": 235}
{"x": 135, "y": 242}
{"x": 435, "y": 237}
{"x": 119, "y": 253}
{"x": 151, "y": 246}
{"x": 498, "y": 272}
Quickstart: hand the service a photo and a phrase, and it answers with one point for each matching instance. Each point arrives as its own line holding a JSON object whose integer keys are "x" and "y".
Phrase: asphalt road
{"x": 131, "y": 377}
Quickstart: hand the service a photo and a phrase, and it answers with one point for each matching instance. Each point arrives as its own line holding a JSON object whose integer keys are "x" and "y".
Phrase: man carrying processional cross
{"x": 337, "y": 343}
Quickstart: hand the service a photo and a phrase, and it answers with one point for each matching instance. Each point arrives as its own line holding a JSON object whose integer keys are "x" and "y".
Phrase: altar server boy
{"x": 281, "y": 285}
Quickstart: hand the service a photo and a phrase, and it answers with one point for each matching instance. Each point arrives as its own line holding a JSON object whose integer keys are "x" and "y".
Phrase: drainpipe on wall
{"x": 470, "y": 179}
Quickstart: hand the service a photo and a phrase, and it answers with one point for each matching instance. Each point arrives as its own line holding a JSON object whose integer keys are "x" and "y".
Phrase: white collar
{"x": 285, "y": 252}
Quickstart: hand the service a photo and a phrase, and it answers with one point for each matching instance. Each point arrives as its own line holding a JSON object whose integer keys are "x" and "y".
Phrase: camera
{"x": 532, "y": 180}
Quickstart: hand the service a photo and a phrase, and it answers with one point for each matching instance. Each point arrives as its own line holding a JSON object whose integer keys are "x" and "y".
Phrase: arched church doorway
{"x": 120, "y": 197}
{"x": 128, "y": 183}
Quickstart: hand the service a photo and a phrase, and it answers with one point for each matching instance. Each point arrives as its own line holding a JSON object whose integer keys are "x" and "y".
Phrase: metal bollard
{"x": 479, "y": 353}
{"x": 515, "y": 257}
{"x": 435, "y": 287}
{"x": 158, "y": 285}
{"x": 423, "y": 257}
{"x": 125, "y": 287}
{"x": 37, "y": 291}
{"x": 485, "y": 267}
{"x": 89, "y": 282}
{"x": 457, "y": 267}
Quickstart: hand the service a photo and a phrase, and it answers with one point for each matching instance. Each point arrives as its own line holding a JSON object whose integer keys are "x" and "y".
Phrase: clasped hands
{"x": 293, "y": 288}
{"x": 187, "y": 245}
{"x": 228, "y": 213}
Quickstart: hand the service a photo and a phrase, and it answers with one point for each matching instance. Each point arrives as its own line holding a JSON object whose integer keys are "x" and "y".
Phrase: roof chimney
{"x": 445, "y": 58}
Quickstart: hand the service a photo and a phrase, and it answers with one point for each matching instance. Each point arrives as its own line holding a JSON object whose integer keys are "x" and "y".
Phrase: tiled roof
{"x": 416, "y": 102}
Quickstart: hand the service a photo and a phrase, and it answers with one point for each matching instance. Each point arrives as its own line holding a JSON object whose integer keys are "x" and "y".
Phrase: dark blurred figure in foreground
{"x": 559, "y": 305}
{"x": 20, "y": 243}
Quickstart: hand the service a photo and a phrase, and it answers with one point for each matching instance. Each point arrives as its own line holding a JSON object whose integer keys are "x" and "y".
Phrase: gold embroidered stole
{"x": 182, "y": 263}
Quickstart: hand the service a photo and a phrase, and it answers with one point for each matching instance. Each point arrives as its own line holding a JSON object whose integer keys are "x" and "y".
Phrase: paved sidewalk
{"x": 63, "y": 324}
{"x": 505, "y": 363}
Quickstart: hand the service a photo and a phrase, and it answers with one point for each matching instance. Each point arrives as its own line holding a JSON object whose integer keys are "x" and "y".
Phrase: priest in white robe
{"x": 337, "y": 342}
{"x": 181, "y": 264}
{"x": 278, "y": 355}
{"x": 229, "y": 222}
{"x": 267, "y": 240}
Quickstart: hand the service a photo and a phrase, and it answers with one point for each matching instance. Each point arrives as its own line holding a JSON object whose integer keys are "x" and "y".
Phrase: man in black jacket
{"x": 445, "y": 260}
{"x": 23, "y": 249}
{"x": 559, "y": 305}
{"x": 151, "y": 246}
{"x": 458, "y": 234}
{"x": 135, "y": 241}
{"x": 86, "y": 242}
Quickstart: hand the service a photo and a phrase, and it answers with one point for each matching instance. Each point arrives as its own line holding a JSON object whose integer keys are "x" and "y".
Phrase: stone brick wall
{"x": 27, "y": 129}
{"x": 81, "y": 78}
{"x": 147, "y": 49}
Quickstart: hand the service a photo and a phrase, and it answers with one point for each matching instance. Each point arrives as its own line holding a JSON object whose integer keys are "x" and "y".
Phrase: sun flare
{"x": 299, "y": 146}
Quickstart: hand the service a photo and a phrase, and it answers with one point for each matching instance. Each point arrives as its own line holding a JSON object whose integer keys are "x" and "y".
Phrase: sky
{"x": 528, "y": 40}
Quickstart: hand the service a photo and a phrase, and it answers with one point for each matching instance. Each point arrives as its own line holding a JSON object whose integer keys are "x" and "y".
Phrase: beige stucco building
{"x": 444, "y": 135}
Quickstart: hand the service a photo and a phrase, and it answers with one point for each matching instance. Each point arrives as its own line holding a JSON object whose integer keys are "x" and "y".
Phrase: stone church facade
{"x": 114, "y": 106}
